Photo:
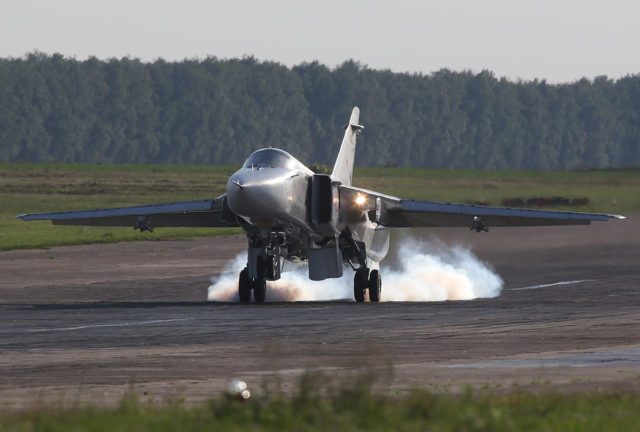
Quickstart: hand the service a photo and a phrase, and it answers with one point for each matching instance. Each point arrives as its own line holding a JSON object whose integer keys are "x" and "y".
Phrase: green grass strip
{"x": 355, "y": 409}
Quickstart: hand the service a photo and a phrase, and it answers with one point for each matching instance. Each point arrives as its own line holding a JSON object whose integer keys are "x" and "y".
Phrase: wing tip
{"x": 616, "y": 216}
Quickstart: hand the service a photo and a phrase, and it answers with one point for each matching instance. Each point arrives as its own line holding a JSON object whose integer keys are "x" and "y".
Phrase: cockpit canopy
{"x": 270, "y": 158}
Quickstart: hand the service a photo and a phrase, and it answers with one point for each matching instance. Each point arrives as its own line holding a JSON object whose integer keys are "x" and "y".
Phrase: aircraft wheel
{"x": 259, "y": 290}
{"x": 375, "y": 286}
{"x": 244, "y": 286}
{"x": 360, "y": 280}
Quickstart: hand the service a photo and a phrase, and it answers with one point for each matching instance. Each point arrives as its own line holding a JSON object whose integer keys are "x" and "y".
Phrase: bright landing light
{"x": 360, "y": 199}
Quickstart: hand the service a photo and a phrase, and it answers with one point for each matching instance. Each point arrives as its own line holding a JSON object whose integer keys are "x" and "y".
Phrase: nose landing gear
{"x": 263, "y": 264}
{"x": 268, "y": 268}
{"x": 247, "y": 284}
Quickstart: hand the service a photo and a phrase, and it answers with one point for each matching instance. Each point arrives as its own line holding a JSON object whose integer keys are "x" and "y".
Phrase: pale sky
{"x": 560, "y": 41}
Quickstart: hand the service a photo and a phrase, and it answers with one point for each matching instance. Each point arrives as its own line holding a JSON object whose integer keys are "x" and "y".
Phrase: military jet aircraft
{"x": 289, "y": 213}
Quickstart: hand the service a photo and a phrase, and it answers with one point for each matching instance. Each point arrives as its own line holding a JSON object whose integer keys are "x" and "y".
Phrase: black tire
{"x": 360, "y": 281}
{"x": 375, "y": 286}
{"x": 244, "y": 286}
{"x": 259, "y": 290}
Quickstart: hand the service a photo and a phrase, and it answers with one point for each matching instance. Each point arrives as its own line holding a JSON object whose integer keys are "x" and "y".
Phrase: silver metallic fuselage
{"x": 289, "y": 212}
{"x": 270, "y": 197}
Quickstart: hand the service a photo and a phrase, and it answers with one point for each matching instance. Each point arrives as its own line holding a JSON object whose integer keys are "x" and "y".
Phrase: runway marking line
{"x": 621, "y": 357}
{"x": 532, "y": 287}
{"x": 90, "y": 326}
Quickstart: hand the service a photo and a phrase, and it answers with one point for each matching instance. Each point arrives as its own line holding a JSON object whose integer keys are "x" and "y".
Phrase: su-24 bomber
{"x": 289, "y": 213}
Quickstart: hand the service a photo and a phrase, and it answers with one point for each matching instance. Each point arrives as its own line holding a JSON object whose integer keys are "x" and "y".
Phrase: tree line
{"x": 215, "y": 111}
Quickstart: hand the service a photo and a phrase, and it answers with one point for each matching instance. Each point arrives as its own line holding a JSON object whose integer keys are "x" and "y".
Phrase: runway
{"x": 82, "y": 323}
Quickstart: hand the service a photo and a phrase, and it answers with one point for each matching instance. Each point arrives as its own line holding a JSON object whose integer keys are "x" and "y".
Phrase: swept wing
{"x": 396, "y": 212}
{"x": 205, "y": 213}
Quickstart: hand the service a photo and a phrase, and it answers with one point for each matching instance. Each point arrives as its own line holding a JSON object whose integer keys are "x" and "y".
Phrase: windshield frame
{"x": 270, "y": 158}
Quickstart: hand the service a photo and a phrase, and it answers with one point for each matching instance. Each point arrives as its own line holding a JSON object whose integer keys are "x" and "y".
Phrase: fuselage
{"x": 272, "y": 194}
{"x": 270, "y": 191}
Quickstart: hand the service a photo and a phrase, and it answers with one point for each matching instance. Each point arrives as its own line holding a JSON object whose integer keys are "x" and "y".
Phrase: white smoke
{"x": 435, "y": 272}
{"x": 292, "y": 286}
{"x": 424, "y": 272}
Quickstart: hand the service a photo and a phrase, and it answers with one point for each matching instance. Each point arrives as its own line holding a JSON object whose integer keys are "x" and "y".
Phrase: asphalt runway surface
{"x": 84, "y": 323}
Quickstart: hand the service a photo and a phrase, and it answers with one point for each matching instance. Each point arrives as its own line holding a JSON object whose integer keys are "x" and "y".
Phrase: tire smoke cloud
{"x": 422, "y": 272}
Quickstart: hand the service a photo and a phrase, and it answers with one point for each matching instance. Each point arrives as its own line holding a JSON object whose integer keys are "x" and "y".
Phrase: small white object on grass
{"x": 238, "y": 389}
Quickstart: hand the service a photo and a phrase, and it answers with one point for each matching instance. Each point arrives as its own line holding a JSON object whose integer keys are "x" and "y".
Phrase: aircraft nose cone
{"x": 257, "y": 194}
{"x": 235, "y": 193}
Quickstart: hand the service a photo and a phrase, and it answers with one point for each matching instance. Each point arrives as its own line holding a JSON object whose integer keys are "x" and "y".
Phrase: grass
{"x": 348, "y": 408}
{"x": 45, "y": 187}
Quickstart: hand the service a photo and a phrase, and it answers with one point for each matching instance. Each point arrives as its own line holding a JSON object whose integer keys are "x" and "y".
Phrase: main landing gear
{"x": 365, "y": 279}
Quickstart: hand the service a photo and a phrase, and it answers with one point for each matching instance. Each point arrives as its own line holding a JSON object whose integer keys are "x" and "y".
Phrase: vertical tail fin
{"x": 343, "y": 168}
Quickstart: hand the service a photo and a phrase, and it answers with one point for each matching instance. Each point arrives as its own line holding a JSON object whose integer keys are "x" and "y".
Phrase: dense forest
{"x": 216, "y": 111}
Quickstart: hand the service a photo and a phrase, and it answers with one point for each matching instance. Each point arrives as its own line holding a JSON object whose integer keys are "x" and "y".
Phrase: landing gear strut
{"x": 365, "y": 279}
{"x": 268, "y": 267}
